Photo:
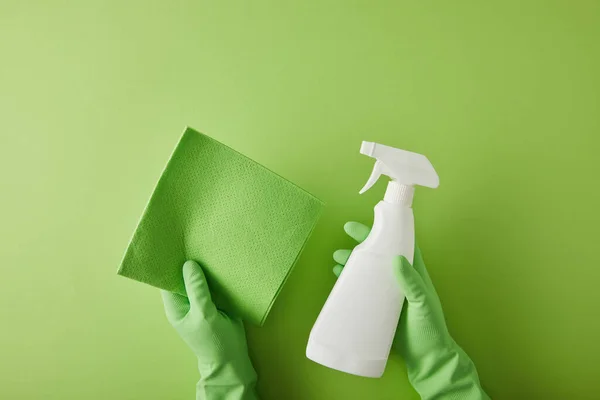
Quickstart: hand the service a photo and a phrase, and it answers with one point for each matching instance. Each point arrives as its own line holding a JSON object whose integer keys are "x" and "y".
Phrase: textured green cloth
{"x": 438, "y": 368}
{"x": 244, "y": 224}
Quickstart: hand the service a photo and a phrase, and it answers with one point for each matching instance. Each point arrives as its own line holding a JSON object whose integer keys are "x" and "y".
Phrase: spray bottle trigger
{"x": 378, "y": 170}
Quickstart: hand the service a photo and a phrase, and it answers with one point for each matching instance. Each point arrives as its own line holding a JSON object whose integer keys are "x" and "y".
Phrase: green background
{"x": 502, "y": 96}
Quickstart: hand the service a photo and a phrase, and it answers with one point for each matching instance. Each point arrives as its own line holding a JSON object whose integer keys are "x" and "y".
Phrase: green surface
{"x": 244, "y": 224}
{"x": 501, "y": 96}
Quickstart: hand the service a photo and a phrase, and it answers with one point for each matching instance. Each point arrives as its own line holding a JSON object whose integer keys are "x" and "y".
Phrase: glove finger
{"x": 342, "y": 256}
{"x": 357, "y": 231}
{"x": 197, "y": 290}
{"x": 176, "y": 306}
{"x": 337, "y": 270}
{"x": 411, "y": 282}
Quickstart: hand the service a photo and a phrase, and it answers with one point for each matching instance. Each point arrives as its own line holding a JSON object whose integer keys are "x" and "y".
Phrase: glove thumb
{"x": 197, "y": 290}
{"x": 411, "y": 282}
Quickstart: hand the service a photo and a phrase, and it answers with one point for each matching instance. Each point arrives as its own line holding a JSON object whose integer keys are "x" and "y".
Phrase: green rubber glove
{"x": 219, "y": 342}
{"x": 437, "y": 367}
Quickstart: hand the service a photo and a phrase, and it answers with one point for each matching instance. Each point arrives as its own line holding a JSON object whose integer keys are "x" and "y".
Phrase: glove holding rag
{"x": 218, "y": 340}
{"x": 438, "y": 368}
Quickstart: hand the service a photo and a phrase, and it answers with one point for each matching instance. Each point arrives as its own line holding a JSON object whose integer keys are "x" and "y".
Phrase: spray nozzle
{"x": 401, "y": 166}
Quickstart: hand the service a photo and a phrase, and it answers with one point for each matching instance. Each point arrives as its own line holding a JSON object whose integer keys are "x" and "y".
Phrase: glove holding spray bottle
{"x": 437, "y": 367}
{"x": 356, "y": 327}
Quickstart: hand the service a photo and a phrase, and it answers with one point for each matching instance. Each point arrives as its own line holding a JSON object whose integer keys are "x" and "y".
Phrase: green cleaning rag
{"x": 244, "y": 224}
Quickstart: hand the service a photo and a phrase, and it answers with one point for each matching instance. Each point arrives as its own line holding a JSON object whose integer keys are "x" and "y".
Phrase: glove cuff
{"x": 449, "y": 371}
{"x": 233, "y": 372}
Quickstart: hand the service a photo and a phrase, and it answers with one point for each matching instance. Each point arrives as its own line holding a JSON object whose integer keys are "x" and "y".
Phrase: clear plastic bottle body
{"x": 356, "y": 327}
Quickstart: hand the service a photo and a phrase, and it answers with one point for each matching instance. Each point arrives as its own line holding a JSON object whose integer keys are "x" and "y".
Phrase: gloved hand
{"x": 437, "y": 367}
{"x": 219, "y": 341}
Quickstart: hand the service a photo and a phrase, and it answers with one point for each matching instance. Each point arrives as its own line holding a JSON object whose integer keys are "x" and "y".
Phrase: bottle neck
{"x": 398, "y": 193}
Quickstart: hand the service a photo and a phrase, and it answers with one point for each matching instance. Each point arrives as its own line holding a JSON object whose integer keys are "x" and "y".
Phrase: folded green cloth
{"x": 244, "y": 224}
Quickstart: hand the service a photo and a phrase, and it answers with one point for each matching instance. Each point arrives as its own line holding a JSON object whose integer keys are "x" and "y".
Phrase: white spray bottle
{"x": 356, "y": 327}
